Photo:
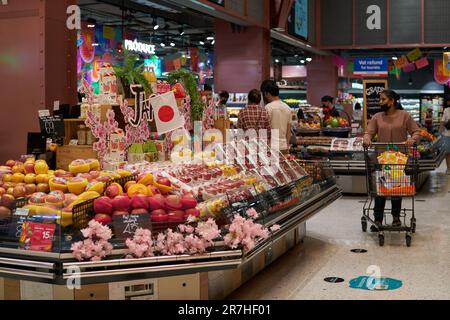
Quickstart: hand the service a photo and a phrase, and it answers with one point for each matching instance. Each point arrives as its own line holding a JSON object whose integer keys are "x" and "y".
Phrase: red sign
{"x": 37, "y": 236}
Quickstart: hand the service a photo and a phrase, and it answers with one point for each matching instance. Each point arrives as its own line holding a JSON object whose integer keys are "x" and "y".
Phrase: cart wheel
{"x": 364, "y": 224}
{"x": 381, "y": 239}
{"x": 413, "y": 225}
{"x": 408, "y": 240}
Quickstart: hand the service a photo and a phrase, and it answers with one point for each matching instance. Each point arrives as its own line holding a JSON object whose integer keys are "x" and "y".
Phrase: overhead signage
{"x": 135, "y": 46}
{"x": 371, "y": 66}
{"x": 301, "y": 18}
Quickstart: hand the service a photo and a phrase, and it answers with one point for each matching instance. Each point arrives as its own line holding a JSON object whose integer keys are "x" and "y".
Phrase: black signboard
{"x": 126, "y": 225}
{"x": 372, "y": 91}
{"x": 52, "y": 126}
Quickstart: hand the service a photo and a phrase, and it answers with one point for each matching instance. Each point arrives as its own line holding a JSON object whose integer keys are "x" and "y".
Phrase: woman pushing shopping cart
{"x": 391, "y": 166}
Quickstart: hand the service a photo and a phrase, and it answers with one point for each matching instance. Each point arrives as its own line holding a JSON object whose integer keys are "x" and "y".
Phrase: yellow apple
{"x": 30, "y": 178}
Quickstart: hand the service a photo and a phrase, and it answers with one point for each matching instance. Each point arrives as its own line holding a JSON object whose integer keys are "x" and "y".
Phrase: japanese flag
{"x": 166, "y": 114}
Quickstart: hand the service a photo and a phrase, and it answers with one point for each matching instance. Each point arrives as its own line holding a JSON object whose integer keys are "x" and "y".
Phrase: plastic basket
{"x": 82, "y": 213}
{"x": 122, "y": 180}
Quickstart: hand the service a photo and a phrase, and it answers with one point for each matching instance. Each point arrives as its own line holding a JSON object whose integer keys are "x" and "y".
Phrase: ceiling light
{"x": 302, "y": 61}
{"x": 182, "y": 32}
{"x": 163, "y": 44}
{"x": 172, "y": 44}
{"x": 201, "y": 43}
{"x": 277, "y": 61}
{"x": 210, "y": 38}
{"x": 95, "y": 44}
{"x": 91, "y": 25}
{"x": 394, "y": 58}
{"x": 309, "y": 59}
{"x": 213, "y": 42}
{"x": 445, "y": 48}
{"x": 156, "y": 27}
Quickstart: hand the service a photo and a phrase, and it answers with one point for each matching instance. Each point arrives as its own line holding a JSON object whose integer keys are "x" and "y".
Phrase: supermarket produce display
{"x": 108, "y": 220}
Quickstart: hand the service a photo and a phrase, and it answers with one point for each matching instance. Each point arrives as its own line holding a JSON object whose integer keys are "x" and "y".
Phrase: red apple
{"x": 173, "y": 202}
{"x": 103, "y": 205}
{"x": 19, "y": 192}
{"x": 156, "y": 202}
{"x": 121, "y": 203}
{"x": 188, "y": 202}
{"x": 164, "y": 181}
{"x": 103, "y": 218}
{"x": 139, "y": 211}
{"x": 94, "y": 174}
{"x": 11, "y": 163}
{"x": 7, "y": 200}
{"x": 112, "y": 191}
{"x": 192, "y": 212}
{"x": 159, "y": 217}
{"x": 176, "y": 216}
{"x": 29, "y": 167}
{"x": 139, "y": 201}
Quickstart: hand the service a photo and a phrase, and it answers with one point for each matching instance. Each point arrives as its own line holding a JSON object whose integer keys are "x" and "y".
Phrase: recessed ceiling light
{"x": 202, "y": 43}
{"x": 394, "y": 58}
{"x": 309, "y": 59}
{"x": 91, "y": 25}
{"x": 302, "y": 61}
{"x": 172, "y": 44}
{"x": 95, "y": 44}
{"x": 163, "y": 44}
{"x": 213, "y": 42}
{"x": 210, "y": 38}
{"x": 277, "y": 61}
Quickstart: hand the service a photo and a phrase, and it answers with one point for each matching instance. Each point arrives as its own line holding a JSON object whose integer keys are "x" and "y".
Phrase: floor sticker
{"x": 334, "y": 280}
{"x": 375, "y": 284}
{"x": 358, "y": 250}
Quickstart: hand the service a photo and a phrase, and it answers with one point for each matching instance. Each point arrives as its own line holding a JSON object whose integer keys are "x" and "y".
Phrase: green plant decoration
{"x": 187, "y": 79}
{"x": 131, "y": 73}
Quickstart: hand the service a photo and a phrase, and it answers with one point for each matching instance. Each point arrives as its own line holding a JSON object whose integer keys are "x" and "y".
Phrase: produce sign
{"x": 37, "y": 236}
{"x": 372, "y": 92}
{"x": 52, "y": 126}
{"x": 126, "y": 225}
{"x": 371, "y": 66}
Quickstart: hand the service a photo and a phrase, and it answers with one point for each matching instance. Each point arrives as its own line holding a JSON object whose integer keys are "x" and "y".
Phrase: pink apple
{"x": 103, "y": 218}
{"x": 164, "y": 181}
{"x": 192, "y": 212}
{"x": 120, "y": 213}
{"x": 139, "y": 201}
{"x": 121, "y": 203}
{"x": 139, "y": 211}
{"x": 173, "y": 202}
{"x": 112, "y": 191}
{"x": 103, "y": 205}
{"x": 29, "y": 167}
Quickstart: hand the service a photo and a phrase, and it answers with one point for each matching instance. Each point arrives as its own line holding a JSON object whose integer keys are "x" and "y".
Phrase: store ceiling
{"x": 140, "y": 16}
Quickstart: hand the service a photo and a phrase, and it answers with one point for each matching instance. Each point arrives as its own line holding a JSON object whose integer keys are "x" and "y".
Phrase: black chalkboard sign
{"x": 52, "y": 126}
{"x": 126, "y": 225}
{"x": 372, "y": 92}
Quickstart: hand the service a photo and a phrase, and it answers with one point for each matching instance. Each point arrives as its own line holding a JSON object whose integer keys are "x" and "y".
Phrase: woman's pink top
{"x": 393, "y": 128}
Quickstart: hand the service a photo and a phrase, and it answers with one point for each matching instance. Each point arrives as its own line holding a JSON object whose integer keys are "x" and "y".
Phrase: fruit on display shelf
{"x": 337, "y": 122}
{"x": 309, "y": 124}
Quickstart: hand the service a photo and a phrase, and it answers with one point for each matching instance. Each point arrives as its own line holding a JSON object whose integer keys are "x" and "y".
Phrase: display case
{"x": 36, "y": 248}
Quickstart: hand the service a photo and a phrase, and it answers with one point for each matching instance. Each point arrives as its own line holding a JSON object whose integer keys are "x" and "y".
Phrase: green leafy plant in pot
{"x": 131, "y": 72}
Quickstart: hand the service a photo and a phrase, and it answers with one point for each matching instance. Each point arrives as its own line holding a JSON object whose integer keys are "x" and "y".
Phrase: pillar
{"x": 242, "y": 57}
{"x": 37, "y": 67}
{"x": 322, "y": 79}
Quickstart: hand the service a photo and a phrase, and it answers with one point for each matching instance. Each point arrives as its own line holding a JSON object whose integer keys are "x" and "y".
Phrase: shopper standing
{"x": 280, "y": 115}
{"x": 392, "y": 125}
{"x": 254, "y": 116}
{"x": 429, "y": 120}
{"x": 221, "y": 120}
{"x": 328, "y": 108}
{"x": 445, "y": 130}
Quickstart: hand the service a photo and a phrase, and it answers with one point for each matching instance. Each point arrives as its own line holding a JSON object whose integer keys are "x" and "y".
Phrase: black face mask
{"x": 384, "y": 107}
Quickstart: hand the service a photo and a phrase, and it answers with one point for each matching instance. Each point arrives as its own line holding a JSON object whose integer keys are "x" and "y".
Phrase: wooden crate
{"x": 66, "y": 154}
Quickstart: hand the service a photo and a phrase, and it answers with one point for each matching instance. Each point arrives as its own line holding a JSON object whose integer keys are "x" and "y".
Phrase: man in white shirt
{"x": 446, "y": 133}
{"x": 280, "y": 115}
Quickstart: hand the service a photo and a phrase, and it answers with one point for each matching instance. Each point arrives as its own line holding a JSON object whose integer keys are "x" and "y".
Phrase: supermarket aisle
{"x": 423, "y": 268}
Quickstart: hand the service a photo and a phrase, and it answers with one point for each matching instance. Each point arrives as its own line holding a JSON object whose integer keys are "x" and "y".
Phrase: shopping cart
{"x": 391, "y": 172}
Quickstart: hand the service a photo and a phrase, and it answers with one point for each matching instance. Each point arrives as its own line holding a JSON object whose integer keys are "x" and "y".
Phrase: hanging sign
{"x": 410, "y": 67}
{"x": 401, "y": 62}
{"x": 371, "y": 66}
{"x": 414, "y": 55}
{"x": 422, "y": 63}
{"x": 166, "y": 113}
{"x": 372, "y": 91}
{"x": 446, "y": 64}
{"x": 439, "y": 75}
{"x": 135, "y": 46}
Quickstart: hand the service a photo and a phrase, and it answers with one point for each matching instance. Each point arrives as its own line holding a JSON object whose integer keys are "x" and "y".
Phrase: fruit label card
{"x": 126, "y": 225}
{"x": 117, "y": 146}
{"x": 36, "y": 236}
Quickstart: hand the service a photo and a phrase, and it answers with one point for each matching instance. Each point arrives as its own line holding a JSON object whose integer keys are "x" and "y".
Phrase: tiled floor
{"x": 424, "y": 268}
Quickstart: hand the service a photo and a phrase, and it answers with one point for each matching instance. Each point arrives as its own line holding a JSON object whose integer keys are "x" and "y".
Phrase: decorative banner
{"x": 108, "y": 33}
{"x": 371, "y": 66}
{"x": 410, "y": 67}
{"x": 166, "y": 113}
{"x": 402, "y": 61}
{"x": 439, "y": 75}
{"x": 414, "y": 55}
{"x": 446, "y": 64}
{"x": 422, "y": 63}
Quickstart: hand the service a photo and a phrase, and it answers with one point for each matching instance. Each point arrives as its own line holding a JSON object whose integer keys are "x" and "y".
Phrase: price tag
{"x": 37, "y": 236}
{"x": 125, "y": 226}
{"x": 44, "y": 113}
{"x": 21, "y": 212}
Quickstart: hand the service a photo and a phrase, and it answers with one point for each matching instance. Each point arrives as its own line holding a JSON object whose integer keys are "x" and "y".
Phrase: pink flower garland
{"x": 142, "y": 244}
{"x": 96, "y": 245}
{"x": 101, "y": 131}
